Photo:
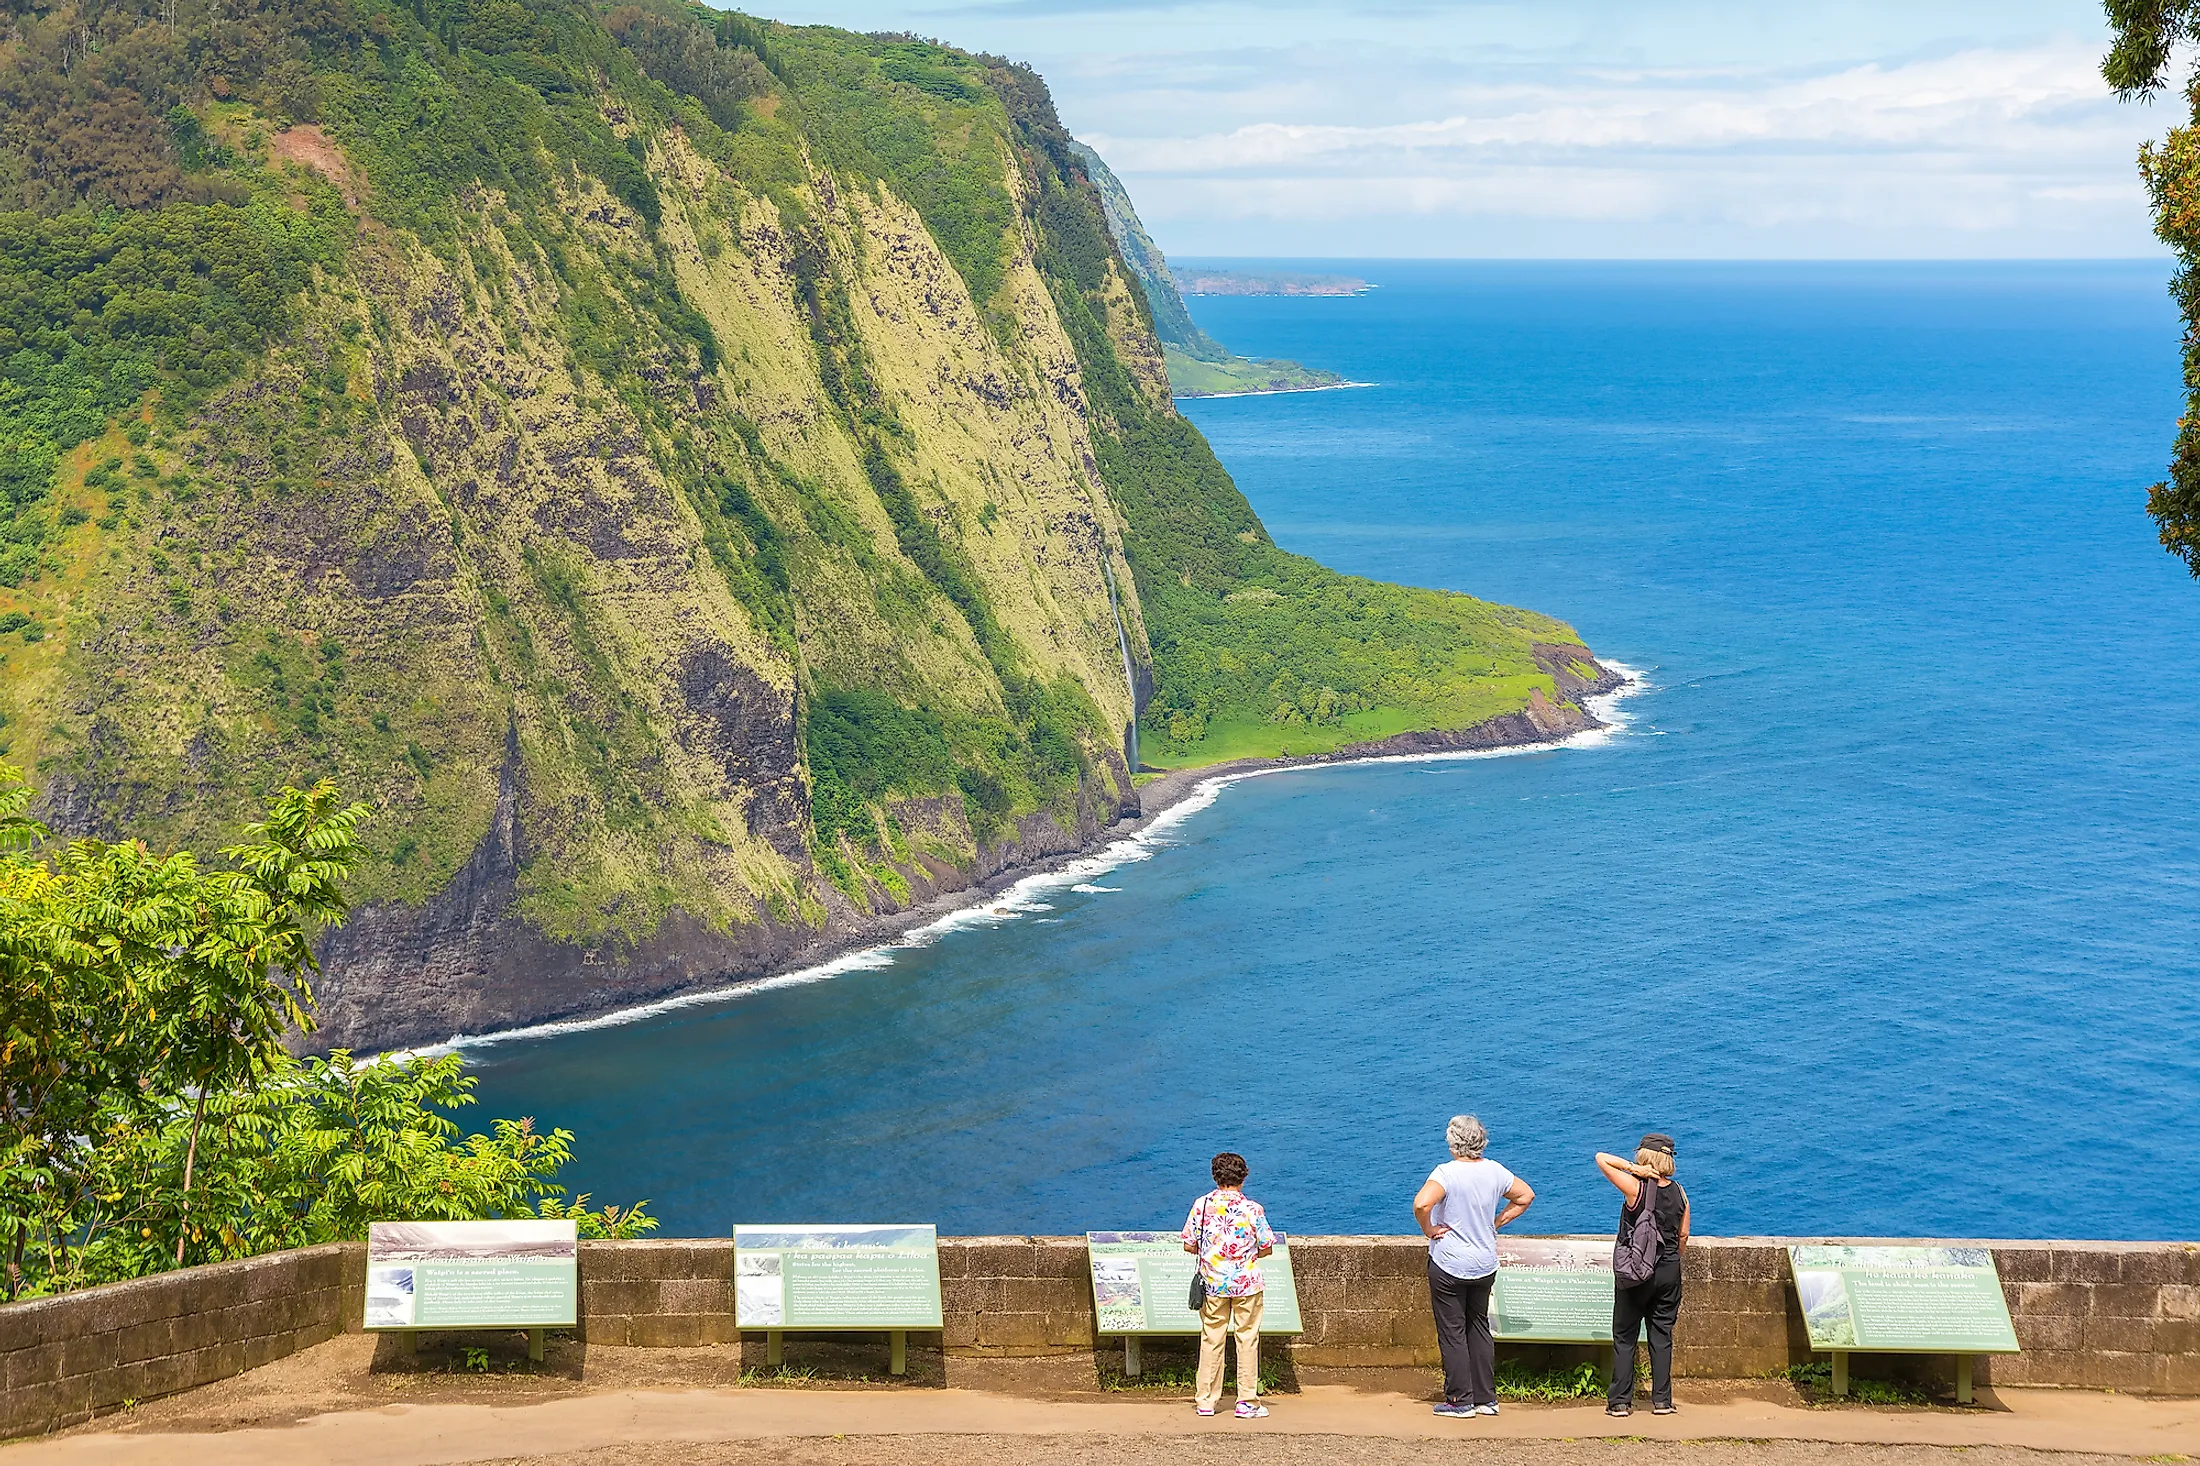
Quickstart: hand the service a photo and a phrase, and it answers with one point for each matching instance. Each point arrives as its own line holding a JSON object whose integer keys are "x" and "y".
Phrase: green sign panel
{"x": 1902, "y": 1300}
{"x": 836, "y": 1277}
{"x": 471, "y": 1275}
{"x": 1553, "y": 1290}
{"x": 1140, "y": 1281}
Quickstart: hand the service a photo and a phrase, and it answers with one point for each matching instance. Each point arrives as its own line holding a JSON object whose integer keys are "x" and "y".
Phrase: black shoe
{"x": 1663, "y": 1410}
{"x": 1619, "y": 1412}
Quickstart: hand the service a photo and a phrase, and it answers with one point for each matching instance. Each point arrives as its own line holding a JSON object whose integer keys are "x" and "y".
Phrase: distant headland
{"x": 1195, "y": 281}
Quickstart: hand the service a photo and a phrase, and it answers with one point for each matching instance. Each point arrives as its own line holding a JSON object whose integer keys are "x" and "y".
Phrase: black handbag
{"x": 1198, "y": 1297}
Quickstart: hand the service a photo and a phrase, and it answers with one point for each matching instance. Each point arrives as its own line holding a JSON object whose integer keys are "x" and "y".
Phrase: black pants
{"x": 1658, "y": 1302}
{"x": 1462, "y": 1307}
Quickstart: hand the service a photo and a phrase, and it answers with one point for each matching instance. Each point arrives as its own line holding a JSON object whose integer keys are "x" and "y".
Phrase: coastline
{"x": 1166, "y": 802}
{"x": 1268, "y": 392}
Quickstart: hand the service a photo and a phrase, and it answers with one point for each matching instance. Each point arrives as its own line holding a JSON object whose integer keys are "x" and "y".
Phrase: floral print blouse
{"x": 1227, "y": 1230}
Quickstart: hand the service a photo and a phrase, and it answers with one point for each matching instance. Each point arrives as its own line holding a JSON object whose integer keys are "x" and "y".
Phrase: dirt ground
{"x": 373, "y": 1401}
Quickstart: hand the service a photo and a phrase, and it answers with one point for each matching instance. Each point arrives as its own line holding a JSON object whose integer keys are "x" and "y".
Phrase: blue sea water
{"x": 1882, "y": 901}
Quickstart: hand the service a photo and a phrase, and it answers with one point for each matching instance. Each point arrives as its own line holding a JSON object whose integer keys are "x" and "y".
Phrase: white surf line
{"x": 1022, "y": 898}
{"x": 1273, "y": 391}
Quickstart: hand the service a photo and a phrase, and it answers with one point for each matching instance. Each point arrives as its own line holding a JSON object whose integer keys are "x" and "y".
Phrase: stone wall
{"x": 67, "y": 1359}
{"x": 2101, "y": 1315}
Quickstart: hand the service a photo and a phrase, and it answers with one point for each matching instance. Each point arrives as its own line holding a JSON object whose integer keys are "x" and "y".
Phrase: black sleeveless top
{"x": 1670, "y": 1201}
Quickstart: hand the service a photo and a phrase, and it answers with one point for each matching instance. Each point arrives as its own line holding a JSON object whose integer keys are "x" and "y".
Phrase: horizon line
{"x": 2163, "y": 258}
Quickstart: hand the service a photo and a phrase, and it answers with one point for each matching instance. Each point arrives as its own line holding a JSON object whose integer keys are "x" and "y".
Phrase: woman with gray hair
{"x": 1457, "y": 1211}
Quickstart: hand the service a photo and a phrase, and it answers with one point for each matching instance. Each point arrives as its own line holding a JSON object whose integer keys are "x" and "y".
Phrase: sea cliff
{"x": 711, "y": 485}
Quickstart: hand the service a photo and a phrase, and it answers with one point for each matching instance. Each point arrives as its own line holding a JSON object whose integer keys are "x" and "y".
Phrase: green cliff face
{"x": 707, "y": 483}
{"x": 1196, "y": 363}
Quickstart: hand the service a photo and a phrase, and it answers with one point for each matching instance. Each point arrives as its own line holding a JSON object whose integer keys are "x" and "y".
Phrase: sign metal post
{"x": 837, "y": 1278}
{"x": 1879, "y": 1298}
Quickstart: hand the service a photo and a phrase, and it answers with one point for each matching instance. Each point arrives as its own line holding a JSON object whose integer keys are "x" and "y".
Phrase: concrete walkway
{"x": 668, "y": 1425}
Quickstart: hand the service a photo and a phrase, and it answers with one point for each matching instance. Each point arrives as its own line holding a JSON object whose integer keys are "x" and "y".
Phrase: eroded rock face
{"x": 542, "y": 540}
{"x": 467, "y": 962}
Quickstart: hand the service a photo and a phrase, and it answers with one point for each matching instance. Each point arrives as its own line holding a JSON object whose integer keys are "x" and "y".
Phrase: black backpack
{"x": 1635, "y": 1249}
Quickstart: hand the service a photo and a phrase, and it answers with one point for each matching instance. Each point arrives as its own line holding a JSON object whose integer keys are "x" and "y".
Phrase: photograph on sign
{"x": 1902, "y": 1300}
{"x": 836, "y": 1277}
{"x": 1140, "y": 1279}
{"x": 459, "y": 1275}
{"x": 1555, "y": 1290}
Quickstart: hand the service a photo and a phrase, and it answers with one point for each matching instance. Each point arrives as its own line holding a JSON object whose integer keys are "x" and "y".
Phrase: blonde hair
{"x": 1655, "y": 1160}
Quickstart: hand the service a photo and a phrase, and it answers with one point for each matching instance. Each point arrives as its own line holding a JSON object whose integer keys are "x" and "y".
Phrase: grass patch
{"x": 1817, "y": 1377}
{"x": 1191, "y": 377}
{"x": 1233, "y": 740}
{"x": 780, "y": 1374}
{"x": 1520, "y": 1381}
{"x": 1178, "y": 1377}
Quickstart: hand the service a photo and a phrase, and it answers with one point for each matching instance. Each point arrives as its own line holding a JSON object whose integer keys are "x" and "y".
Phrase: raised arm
{"x": 1621, "y": 1172}
{"x": 1520, "y": 1194}
{"x": 1424, "y": 1202}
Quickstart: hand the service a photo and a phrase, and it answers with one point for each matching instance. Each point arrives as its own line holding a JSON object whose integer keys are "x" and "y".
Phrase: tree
{"x": 132, "y": 978}
{"x": 2147, "y": 34}
{"x": 149, "y": 1110}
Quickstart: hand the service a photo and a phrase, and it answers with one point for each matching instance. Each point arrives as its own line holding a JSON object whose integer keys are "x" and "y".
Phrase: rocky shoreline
{"x": 399, "y": 977}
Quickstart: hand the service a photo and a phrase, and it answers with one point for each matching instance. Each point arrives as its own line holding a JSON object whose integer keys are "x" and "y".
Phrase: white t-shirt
{"x": 1472, "y": 1193}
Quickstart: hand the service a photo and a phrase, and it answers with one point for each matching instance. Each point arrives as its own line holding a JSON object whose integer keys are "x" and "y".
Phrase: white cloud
{"x": 1993, "y": 150}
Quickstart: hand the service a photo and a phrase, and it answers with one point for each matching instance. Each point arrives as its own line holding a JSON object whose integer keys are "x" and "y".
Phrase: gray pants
{"x": 1462, "y": 1307}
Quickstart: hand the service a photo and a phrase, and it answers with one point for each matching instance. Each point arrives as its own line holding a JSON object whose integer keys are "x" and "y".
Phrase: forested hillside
{"x": 701, "y": 481}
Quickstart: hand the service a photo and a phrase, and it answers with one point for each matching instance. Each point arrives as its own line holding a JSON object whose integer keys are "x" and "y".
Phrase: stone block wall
{"x": 2100, "y": 1315}
{"x": 659, "y": 1293}
{"x": 70, "y": 1358}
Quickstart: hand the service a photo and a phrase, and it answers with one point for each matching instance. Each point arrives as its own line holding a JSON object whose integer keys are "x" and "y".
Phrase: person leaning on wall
{"x": 1227, "y": 1232}
{"x": 1457, "y": 1211}
{"x": 1655, "y": 1199}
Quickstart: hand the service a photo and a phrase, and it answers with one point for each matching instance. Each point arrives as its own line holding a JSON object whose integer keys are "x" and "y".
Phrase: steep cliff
{"x": 707, "y": 482}
{"x": 1197, "y": 364}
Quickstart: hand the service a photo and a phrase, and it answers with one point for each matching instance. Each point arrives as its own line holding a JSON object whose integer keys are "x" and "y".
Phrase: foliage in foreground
{"x": 2147, "y": 33}
{"x": 150, "y": 1115}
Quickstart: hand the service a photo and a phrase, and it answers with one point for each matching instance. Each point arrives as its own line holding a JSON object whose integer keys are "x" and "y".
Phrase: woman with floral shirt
{"x": 1228, "y": 1232}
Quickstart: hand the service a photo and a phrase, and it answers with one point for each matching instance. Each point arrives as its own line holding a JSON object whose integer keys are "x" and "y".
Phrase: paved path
{"x": 973, "y": 1427}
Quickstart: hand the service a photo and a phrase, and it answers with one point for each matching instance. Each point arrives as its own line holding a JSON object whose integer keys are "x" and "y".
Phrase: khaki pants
{"x": 1239, "y": 1318}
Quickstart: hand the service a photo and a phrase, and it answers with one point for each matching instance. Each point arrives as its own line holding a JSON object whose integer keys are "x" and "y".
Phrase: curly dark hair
{"x": 1230, "y": 1169}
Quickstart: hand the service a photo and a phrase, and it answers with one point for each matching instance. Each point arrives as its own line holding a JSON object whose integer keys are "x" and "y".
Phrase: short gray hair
{"x": 1466, "y": 1137}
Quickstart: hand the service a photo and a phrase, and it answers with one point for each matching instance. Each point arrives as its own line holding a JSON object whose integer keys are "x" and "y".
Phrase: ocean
{"x": 1879, "y": 896}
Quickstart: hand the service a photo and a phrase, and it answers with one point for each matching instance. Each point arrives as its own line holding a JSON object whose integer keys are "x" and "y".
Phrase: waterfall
{"x": 1122, "y": 644}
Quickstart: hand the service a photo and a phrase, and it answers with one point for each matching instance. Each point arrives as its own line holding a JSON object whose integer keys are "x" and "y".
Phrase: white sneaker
{"x": 1251, "y": 1410}
{"x": 1489, "y": 1409}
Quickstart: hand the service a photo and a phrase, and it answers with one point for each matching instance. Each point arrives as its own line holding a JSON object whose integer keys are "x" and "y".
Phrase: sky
{"x": 1598, "y": 129}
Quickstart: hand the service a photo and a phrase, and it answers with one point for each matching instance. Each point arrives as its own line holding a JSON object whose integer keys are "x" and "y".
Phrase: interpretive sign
{"x": 1902, "y": 1300}
{"x": 836, "y": 1277}
{"x": 1140, "y": 1281}
{"x": 1553, "y": 1290}
{"x": 471, "y": 1275}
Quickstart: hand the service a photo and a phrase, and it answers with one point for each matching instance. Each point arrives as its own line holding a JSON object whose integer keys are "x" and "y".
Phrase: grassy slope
{"x": 1191, "y": 377}
{"x": 631, "y": 395}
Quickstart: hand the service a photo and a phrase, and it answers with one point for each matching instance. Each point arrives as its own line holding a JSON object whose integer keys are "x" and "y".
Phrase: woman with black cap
{"x": 1654, "y": 1198}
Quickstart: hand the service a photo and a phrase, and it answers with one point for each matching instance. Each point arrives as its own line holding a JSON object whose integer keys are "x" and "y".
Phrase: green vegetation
{"x": 1816, "y": 1377}
{"x": 1197, "y": 364}
{"x": 1518, "y": 1380}
{"x": 1189, "y": 376}
{"x": 1242, "y": 632}
{"x": 664, "y": 416}
{"x": 1176, "y": 1378}
{"x": 2148, "y": 35}
{"x": 149, "y": 1113}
